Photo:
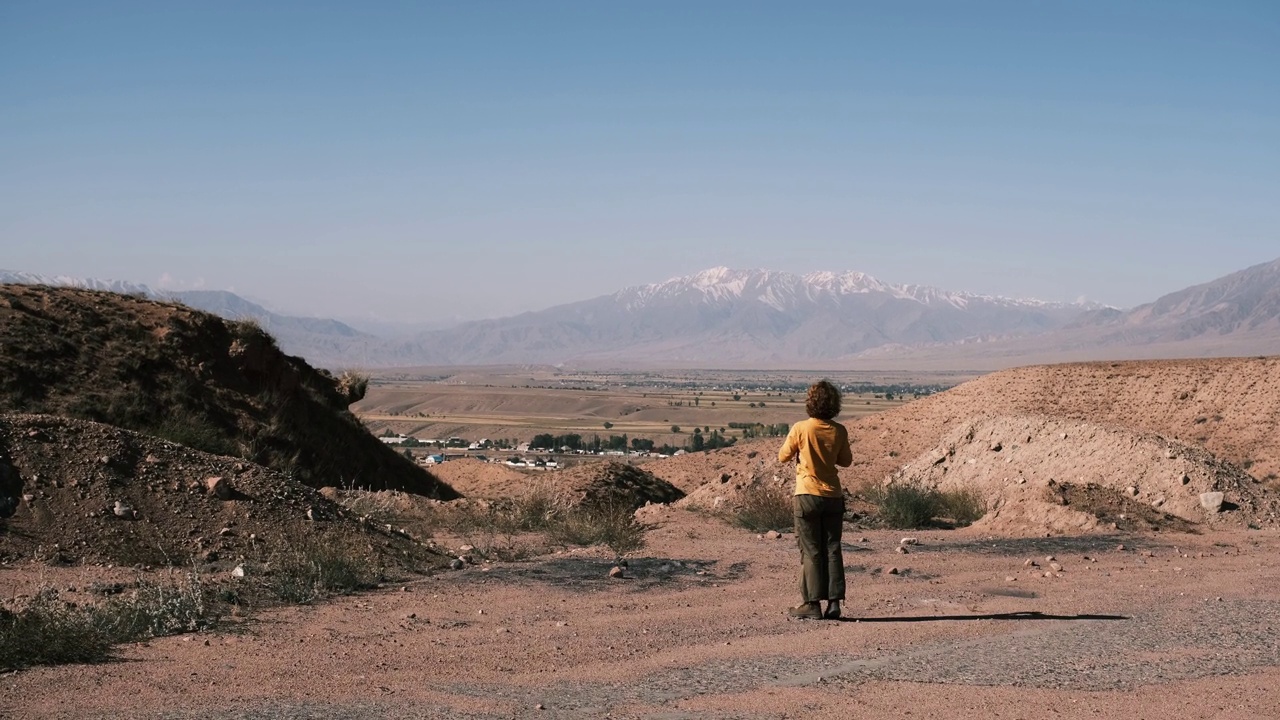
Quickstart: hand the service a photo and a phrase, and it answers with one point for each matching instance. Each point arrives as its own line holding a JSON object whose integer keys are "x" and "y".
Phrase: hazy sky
{"x": 409, "y": 160}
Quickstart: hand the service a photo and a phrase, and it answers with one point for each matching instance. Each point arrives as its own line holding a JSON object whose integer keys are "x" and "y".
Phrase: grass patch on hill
{"x": 908, "y": 506}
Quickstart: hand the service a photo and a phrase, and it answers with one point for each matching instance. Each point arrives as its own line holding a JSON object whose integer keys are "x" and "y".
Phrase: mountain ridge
{"x": 725, "y": 318}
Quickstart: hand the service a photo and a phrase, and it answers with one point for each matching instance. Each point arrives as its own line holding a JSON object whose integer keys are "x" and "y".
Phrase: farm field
{"x": 510, "y": 404}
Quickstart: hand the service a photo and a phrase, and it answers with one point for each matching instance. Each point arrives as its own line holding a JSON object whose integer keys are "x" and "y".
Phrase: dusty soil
{"x": 1172, "y": 625}
{"x": 1075, "y": 598}
{"x": 94, "y": 494}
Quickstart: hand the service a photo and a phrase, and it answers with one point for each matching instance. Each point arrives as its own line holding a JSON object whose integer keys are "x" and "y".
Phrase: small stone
{"x": 1212, "y": 501}
{"x": 466, "y": 548}
{"x": 908, "y": 541}
{"x": 480, "y": 611}
{"x": 615, "y": 572}
{"x": 218, "y": 487}
{"x": 863, "y": 540}
{"x": 1030, "y": 563}
{"x": 1049, "y": 558}
{"x": 1055, "y": 567}
{"x": 1010, "y": 578}
{"x": 1186, "y": 479}
{"x": 122, "y": 510}
{"x": 772, "y": 535}
{"x": 1120, "y": 547}
{"x": 901, "y": 549}
{"x": 1131, "y": 491}
{"x": 539, "y": 707}
{"x": 892, "y": 571}
{"x": 224, "y": 532}
{"x": 456, "y": 564}
{"x": 1048, "y": 573}
{"x": 238, "y": 571}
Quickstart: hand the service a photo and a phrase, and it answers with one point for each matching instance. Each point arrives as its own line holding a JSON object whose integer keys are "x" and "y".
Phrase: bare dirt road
{"x": 1172, "y": 625}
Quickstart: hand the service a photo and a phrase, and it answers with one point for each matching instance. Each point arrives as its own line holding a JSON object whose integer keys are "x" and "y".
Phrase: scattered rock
{"x": 1212, "y": 501}
{"x": 892, "y": 571}
{"x": 218, "y": 486}
{"x": 616, "y": 572}
{"x": 909, "y": 541}
{"x": 238, "y": 571}
{"x": 772, "y": 535}
{"x": 457, "y": 564}
{"x": 902, "y": 549}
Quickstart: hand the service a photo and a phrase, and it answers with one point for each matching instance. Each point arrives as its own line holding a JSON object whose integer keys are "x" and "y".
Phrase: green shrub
{"x": 611, "y": 524}
{"x": 49, "y": 631}
{"x": 315, "y": 570}
{"x": 766, "y": 507}
{"x": 907, "y": 505}
{"x": 962, "y": 507}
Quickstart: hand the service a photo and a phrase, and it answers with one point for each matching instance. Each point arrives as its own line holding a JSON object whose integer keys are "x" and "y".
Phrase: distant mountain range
{"x": 725, "y": 318}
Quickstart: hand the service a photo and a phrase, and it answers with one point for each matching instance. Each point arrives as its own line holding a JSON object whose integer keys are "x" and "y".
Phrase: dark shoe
{"x": 833, "y": 610}
{"x": 809, "y": 611}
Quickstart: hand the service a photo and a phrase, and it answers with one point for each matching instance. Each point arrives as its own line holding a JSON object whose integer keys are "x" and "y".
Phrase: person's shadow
{"x": 1027, "y": 615}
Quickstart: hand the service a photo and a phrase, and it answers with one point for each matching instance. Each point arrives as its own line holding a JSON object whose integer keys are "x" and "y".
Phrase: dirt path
{"x": 1173, "y": 624}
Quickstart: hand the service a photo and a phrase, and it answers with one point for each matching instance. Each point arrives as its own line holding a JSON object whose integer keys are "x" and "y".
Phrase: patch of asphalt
{"x": 1206, "y": 639}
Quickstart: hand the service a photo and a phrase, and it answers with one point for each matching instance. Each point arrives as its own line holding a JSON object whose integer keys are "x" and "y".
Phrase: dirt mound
{"x": 191, "y": 378}
{"x": 1067, "y": 476}
{"x": 478, "y": 479}
{"x": 691, "y": 471}
{"x": 96, "y": 494}
{"x": 612, "y": 482}
{"x": 1230, "y": 407}
{"x": 730, "y": 489}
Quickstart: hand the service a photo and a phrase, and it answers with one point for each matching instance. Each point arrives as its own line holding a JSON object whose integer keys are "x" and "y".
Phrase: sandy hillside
{"x": 1230, "y": 407}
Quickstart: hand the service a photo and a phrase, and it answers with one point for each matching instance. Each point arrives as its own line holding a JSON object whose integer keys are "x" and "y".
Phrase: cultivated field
{"x": 501, "y": 403}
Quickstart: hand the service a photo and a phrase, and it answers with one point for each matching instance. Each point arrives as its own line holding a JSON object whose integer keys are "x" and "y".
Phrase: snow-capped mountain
{"x": 117, "y": 286}
{"x": 723, "y": 317}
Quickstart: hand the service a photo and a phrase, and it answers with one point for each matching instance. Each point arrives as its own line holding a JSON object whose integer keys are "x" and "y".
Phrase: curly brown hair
{"x": 823, "y": 401}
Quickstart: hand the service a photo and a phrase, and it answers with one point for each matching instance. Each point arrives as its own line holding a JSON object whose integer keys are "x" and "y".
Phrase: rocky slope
{"x": 97, "y": 494}
{"x": 192, "y": 378}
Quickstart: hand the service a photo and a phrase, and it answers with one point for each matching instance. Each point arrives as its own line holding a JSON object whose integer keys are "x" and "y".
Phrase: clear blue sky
{"x": 411, "y": 159}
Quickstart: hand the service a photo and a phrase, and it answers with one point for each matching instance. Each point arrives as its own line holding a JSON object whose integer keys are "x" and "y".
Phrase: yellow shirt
{"x": 820, "y": 445}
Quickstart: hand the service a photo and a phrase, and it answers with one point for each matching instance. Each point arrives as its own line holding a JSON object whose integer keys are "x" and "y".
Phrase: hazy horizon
{"x": 480, "y": 160}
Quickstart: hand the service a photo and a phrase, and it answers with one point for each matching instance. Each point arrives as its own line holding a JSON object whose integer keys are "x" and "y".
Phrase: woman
{"x": 819, "y": 444}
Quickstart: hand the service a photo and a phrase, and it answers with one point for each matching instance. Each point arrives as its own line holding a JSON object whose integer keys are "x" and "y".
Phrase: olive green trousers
{"x": 819, "y": 524}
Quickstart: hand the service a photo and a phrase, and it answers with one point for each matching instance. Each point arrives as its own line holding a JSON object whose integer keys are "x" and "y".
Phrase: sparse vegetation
{"x": 766, "y": 507}
{"x": 906, "y": 506}
{"x": 612, "y": 524}
{"x": 315, "y": 570}
{"x": 50, "y": 631}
